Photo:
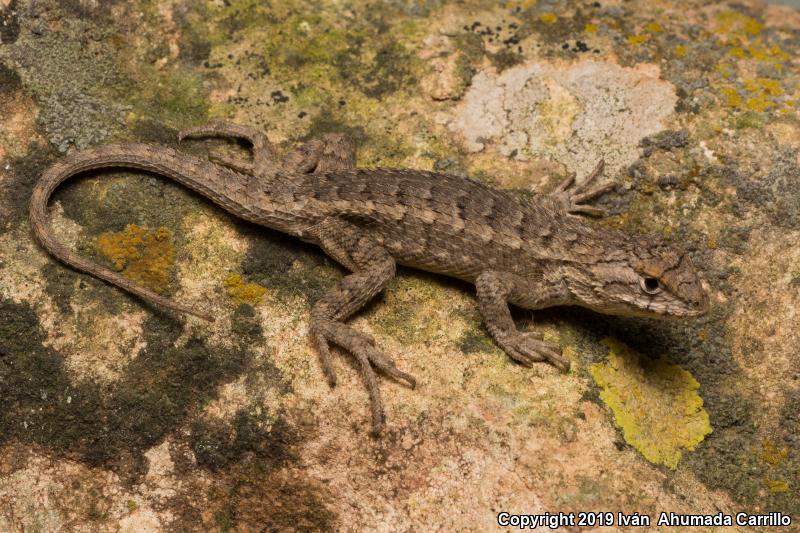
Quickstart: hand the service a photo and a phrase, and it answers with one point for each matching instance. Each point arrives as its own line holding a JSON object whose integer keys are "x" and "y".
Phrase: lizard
{"x": 533, "y": 253}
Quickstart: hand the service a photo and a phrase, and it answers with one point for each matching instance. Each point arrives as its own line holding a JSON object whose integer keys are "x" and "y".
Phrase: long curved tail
{"x": 197, "y": 174}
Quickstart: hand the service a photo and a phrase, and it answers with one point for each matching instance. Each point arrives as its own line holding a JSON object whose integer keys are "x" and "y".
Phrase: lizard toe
{"x": 528, "y": 348}
{"x": 387, "y": 366}
{"x": 324, "y": 351}
{"x": 362, "y": 347}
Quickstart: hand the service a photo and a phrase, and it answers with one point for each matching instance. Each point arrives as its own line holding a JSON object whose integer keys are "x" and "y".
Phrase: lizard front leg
{"x": 495, "y": 290}
{"x": 372, "y": 268}
{"x": 569, "y": 196}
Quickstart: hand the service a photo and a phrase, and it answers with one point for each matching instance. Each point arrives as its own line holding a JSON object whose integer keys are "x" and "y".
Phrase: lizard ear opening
{"x": 650, "y": 285}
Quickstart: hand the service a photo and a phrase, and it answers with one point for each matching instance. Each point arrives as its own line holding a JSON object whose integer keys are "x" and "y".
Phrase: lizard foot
{"x": 570, "y": 195}
{"x": 262, "y": 149}
{"x": 528, "y": 348}
{"x": 362, "y": 346}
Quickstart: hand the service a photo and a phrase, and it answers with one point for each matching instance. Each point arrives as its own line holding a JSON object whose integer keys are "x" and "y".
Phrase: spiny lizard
{"x": 531, "y": 253}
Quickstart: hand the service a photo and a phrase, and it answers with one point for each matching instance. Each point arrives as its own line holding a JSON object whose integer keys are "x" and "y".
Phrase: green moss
{"x": 61, "y": 285}
{"x": 83, "y": 79}
{"x": 554, "y": 27}
{"x": 23, "y": 173}
{"x": 108, "y": 427}
{"x": 464, "y": 71}
{"x": 217, "y": 445}
{"x": 174, "y": 100}
{"x": 327, "y": 123}
{"x": 475, "y": 340}
{"x": 654, "y": 403}
{"x": 283, "y": 264}
{"x": 9, "y": 80}
{"x": 470, "y": 44}
{"x": 748, "y": 120}
{"x": 9, "y": 23}
{"x": 56, "y": 68}
{"x": 403, "y": 312}
{"x": 505, "y": 59}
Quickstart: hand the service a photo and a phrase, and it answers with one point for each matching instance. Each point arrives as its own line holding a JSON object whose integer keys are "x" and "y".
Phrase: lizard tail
{"x": 104, "y": 157}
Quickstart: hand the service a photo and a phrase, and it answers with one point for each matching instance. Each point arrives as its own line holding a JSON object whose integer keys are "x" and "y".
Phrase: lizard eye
{"x": 650, "y": 285}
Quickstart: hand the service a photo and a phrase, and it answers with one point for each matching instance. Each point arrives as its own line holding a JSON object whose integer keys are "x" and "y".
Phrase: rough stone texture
{"x": 571, "y": 113}
{"x": 115, "y": 417}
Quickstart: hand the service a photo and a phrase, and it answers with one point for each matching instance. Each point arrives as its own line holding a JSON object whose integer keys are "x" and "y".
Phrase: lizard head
{"x": 641, "y": 277}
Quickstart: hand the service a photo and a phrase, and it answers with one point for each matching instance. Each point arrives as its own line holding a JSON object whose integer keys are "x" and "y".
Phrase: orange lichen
{"x": 141, "y": 254}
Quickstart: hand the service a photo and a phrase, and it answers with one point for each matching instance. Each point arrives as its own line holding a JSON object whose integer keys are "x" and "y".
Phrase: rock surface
{"x": 115, "y": 417}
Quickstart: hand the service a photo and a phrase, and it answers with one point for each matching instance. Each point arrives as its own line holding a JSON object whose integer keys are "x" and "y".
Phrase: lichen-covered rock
{"x": 117, "y": 417}
{"x": 654, "y": 403}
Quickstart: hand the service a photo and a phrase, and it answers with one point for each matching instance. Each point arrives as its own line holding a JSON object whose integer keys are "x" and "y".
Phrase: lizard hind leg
{"x": 264, "y": 155}
{"x": 371, "y": 270}
{"x": 332, "y": 151}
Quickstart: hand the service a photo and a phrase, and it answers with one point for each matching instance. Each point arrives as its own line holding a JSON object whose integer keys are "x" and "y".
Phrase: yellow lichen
{"x": 524, "y": 4}
{"x": 771, "y": 454}
{"x": 141, "y": 254}
{"x": 738, "y": 52}
{"x": 590, "y": 28}
{"x": 777, "y": 486}
{"x": 734, "y": 24}
{"x": 680, "y": 51}
{"x": 654, "y": 27}
{"x": 241, "y": 292}
{"x": 637, "y": 39}
{"x": 654, "y": 402}
{"x": 758, "y": 103}
{"x": 732, "y": 97}
{"x": 548, "y": 18}
{"x": 752, "y": 26}
{"x": 770, "y": 86}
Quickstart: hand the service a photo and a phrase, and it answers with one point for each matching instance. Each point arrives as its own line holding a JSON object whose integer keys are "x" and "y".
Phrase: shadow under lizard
{"x": 532, "y": 253}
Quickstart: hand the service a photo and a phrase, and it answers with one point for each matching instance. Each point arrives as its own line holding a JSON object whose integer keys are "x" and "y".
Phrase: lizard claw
{"x": 570, "y": 196}
{"x": 528, "y": 348}
{"x": 362, "y": 346}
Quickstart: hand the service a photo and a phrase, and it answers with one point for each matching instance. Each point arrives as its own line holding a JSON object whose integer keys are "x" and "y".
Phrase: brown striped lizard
{"x": 532, "y": 253}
